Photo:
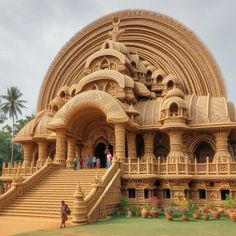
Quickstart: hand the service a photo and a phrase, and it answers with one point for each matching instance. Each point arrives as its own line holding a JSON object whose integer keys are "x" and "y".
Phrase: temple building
{"x": 142, "y": 86}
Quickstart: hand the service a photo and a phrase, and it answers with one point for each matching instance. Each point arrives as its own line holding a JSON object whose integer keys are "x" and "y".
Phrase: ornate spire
{"x": 115, "y": 33}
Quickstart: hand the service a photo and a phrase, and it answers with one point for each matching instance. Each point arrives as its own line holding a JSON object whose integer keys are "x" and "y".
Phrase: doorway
{"x": 100, "y": 151}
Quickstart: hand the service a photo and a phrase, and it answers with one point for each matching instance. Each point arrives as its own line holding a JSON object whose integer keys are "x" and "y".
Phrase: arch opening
{"x": 101, "y": 150}
{"x": 202, "y": 151}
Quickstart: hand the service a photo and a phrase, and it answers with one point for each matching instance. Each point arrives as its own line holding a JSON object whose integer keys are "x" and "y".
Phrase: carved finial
{"x": 96, "y": 180}
{"x": 115, "y": 33}
{"x": 78, "y": 188}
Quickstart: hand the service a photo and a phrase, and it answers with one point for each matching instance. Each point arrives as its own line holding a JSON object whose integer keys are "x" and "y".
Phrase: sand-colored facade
{"x": 143, "y": 86}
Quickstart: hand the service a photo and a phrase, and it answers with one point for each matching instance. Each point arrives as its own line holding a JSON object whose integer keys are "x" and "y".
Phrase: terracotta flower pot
{"x": 153, "y": 213}
{"x": 144, "y": 213}
{"x": 216, "y": 215}
{"x": 169, "y": 216}
{"x": 205, "y": 217}
{"x": 232, "y": 216}
{"x": 184, "y": 217}
{"x": 195, "y": 215}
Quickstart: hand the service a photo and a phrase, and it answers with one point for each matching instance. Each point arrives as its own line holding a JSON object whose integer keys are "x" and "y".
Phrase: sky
{"x": 33, "y": 31}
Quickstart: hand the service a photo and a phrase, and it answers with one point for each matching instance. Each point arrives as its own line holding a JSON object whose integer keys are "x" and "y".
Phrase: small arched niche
{"x": 174, "y": 109}
{"x": 202, "y": 151}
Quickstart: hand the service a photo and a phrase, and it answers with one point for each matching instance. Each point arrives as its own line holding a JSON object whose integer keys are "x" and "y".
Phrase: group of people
{"x": 77, "y": 163}
{"x": 91, "y": 162}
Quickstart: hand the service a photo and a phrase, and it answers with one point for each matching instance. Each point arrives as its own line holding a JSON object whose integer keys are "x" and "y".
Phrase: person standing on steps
{"x": 88, "y": 161}
{"x": 94, "y": 161}
{"x": 65, "y": 211}
{"x": 109, "y": 160}
{"x": 75, "y": 162}
{"x": 80, "y": 162}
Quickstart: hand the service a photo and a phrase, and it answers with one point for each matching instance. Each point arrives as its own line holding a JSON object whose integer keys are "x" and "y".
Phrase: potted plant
{"x": 169, "y": 212}
{"x": 154, "y": 210}
{"x": 205, "y": 213}
{"x": 184, "y": 211}
{"x": 145, "y": 211}
{"x": 233, "y": 215}
{"x": 123, "y": 205}
{"x": 229, "y": 205}
{"x": 194, "y": 209}
{"x": 214, "y": 212}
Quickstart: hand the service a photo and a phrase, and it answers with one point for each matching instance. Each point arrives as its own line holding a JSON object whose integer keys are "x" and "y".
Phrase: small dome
{"x": 142, "y": 68}
{"x": 41, "y": 130}
{"x": 175, "y": 92}
{"x": 157, "y": 73}
{"x": 26, "y": 132}
{"x": 172, "y": 78}
{"x": 57, "y": 101}
{"x": 63, "y": 92}
{"x": 132, "y": 110}
{"x": 167, "y": 103}
{"x": 109, "y": 44}
{"x": 72, "y": 90}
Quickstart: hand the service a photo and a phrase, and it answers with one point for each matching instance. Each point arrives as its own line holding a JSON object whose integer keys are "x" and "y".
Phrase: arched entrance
{"x": 202, "y": 151}
{"x": 100, "y": 151}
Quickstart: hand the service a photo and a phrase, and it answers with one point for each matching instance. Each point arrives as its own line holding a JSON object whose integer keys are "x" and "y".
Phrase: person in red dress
{"x": 65, "y": 211}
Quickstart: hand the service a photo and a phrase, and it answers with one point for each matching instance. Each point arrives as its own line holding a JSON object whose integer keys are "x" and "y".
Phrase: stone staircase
{"x": 44, "y": 199}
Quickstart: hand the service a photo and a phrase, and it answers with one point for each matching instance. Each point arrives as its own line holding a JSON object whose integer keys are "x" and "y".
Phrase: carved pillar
{"x": 148, "y": 145}
{"x": 120, "y": 141}
{"x": 60, "y": 147}
{"x": 131, "y": 145}
{"x": 222, "y": 153}
{"x": 42, "y": 153}
{"x": 177, "y": 153}
{"x": 27, "y": 149}
{"x": 71, "y": 142}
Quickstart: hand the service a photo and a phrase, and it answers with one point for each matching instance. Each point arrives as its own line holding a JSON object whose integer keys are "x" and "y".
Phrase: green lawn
{"x": 137, "y": 226}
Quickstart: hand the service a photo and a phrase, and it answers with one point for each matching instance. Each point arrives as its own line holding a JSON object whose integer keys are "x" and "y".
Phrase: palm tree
{"x": 2, "y": 115}
{"x": 12, "y": 106}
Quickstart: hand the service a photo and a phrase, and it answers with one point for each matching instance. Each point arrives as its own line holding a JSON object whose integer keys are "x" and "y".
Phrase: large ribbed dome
{"x": 158, "y": 39}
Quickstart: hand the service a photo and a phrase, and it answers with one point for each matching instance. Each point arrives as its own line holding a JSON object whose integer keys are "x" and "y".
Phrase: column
{"x": 222, "y": 153}
{"x": 27, "y": 149}
{"x": 148, "y": 145}
{"x": 42, "y": 152}
{"x": 120, "y": 141}
{"x": 131, "y": 145}
{"x": 177, "y": 154}
{"x": 71, "y": 142}
{"x": 60, "y": 147}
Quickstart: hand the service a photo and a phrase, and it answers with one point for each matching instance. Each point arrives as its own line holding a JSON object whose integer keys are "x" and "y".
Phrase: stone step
{"x": 44, "y": 199}
{"x": 43, "y": 215}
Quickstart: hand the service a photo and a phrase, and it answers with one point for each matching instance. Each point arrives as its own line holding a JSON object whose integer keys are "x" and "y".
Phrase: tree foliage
{"x": 12, "y": 105}
{"x": 5, "y": 141}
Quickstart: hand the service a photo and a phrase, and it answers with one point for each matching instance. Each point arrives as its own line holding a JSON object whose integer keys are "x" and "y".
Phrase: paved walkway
{"x": 14, "y": 225}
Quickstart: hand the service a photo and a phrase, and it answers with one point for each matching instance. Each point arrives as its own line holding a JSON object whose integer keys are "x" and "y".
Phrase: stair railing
{"x": 92, "y": 202}
{"x": 93, "y": 213}
{"x": 20, "y": 186}
{"x": 98, "y": 187}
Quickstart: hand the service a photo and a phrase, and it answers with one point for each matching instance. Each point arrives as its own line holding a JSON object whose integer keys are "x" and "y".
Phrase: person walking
{"x": 94, "y": 161}
{"x": 80, "y": 162}
{"x": 65, "y": 211}
{"x": 98, "y": 164}
{"x": 109, "y": 160}
{"x": 88, "y": 161}
{"x": 75, "y": 162}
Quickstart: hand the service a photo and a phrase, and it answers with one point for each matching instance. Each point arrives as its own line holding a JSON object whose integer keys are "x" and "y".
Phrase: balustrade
{"x": 156, "y": 167}
{"x": 11, "y": 170}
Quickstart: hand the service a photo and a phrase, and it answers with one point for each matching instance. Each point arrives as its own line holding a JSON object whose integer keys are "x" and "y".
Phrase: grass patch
{"x": 136, "y": 226}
